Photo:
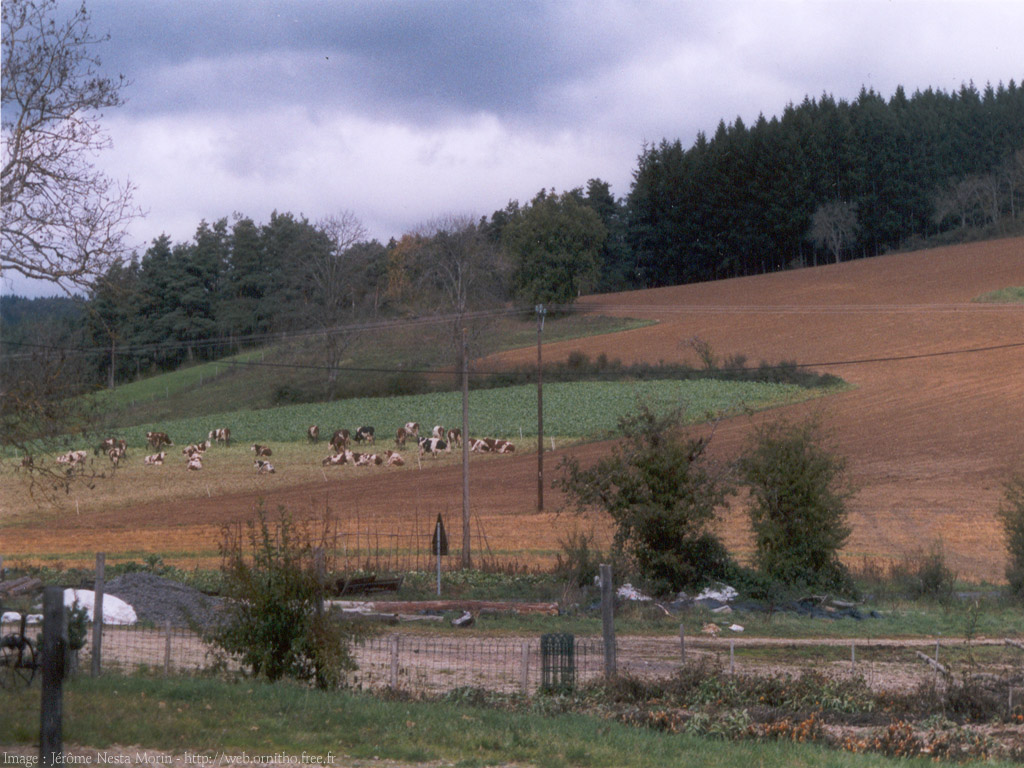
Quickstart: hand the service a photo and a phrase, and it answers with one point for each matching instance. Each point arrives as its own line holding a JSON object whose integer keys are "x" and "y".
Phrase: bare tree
{"x": 63, "y": 220}
{"x": 833, "y": 226}
{"x": 334, "y": 283}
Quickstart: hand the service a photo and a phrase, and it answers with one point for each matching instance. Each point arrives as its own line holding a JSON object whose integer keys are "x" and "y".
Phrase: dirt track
{"x": 934, "y": 424}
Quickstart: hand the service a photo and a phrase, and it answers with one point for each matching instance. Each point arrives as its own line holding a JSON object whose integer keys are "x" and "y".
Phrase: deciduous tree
{"x": 63, "y": 219}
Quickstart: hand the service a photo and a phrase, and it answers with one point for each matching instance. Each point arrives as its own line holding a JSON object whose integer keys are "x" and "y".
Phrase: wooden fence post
{"x": 526, "y": 671}
{"x": 682, "y": 645}
{"x": 167, "y": 648}
{"x": 55, "y": 642}
{"x": 97, "y": 614}
{"x": 608, "y": 620}
{"x": 393, "y": 647}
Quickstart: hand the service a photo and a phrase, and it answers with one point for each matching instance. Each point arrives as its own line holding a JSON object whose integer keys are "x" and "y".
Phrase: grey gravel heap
{"x": 158, "y": 600}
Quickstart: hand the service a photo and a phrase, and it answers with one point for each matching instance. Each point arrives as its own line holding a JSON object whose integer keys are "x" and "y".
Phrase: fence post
{"x": 732, "y": 657}
{"x": 526, "y": 672}
{"x": 167, "y": 648}
{"x": 608, "y": 620}
{"x": 97, "y": 614}
{"x": 853, "y": 654}
{"x": 393, "y": 647}
{"x": 55, "y": 633}
{"x": 682, "y": 645}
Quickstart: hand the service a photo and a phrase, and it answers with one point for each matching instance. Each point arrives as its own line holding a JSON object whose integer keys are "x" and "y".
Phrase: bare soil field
{"x": 932, "y": 427}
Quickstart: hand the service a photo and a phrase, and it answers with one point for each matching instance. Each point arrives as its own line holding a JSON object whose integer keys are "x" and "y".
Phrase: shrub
{"x": 273, "y": 625}
{"x": 661, "y": 493}
{"x": 797, "y": 505}
{"x": 1011, "y": 513}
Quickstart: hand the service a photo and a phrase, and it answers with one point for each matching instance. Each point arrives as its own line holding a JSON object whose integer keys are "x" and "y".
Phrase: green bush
{"x": 1011, "y": 513}
{"x": 797, "y": 504}
{"x": 661, "y": 492}
{"x": 273, "y": 624}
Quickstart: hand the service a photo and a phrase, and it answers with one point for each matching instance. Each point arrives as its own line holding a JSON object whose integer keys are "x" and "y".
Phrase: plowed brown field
{"x": 933, "y": 425}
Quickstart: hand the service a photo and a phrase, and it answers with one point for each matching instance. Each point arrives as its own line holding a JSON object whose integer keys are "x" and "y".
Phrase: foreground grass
{"x": 219, "y": 718}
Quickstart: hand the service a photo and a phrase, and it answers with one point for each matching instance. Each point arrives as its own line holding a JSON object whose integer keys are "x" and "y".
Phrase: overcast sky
{"x": 404, "y": 111}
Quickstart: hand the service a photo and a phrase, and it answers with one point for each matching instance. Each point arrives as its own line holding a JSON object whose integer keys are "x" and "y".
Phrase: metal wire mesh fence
{"x": 415, "y": 663}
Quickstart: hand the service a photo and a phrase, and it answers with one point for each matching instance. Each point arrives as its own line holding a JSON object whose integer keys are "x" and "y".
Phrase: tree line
{"x": 828, "y": 180}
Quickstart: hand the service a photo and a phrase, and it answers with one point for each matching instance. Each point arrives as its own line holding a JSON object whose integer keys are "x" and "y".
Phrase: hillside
{"x": 933, "y": 425}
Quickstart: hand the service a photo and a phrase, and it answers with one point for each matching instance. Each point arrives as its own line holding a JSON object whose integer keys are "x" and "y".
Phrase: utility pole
{"x": 539, "y": 309}
{"x": 466, "y": 559}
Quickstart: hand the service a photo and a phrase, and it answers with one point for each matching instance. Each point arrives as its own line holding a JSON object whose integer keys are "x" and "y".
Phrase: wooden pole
{"x": 467, "y": 561}
{"x": 526, "y": 673}
{"x": 540, "y": 411}
{"x": 682, "y": 645}
{"x": 55, "y": 641}
{"x": 393, "y": 648}
{"x": 167, "y": 648}
{"x": 608, "y": 620}
{"x": 97, "y": 614}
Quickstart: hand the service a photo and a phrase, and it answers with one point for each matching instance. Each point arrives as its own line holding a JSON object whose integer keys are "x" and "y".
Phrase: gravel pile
{"x": 159, "y": 600}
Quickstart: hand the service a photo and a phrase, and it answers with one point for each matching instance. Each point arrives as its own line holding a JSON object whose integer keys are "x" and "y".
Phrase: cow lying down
{"x": 491, "y": 445}
{"x": 155, "y": 459}
{"x": 263, "y": 467}
{"x": 388, "y": 458}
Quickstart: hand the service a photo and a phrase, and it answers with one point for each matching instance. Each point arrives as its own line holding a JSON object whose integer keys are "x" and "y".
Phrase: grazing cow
{"x": 155, "y": 459}
{"x": 72, "y": 457}
{"x": 115, "y": 455}
{"x": 220, "y": 436}
{"x": 401, "y": 435}
{"x": 195, "y": 462}
{"x": 334, "y": 461}
{"x": 432, "y": 445}
{"x": 412, "y": 428}
{"x": 263, "y": 467}
{"x": 339, "y": 442}
{"x": 364, "y": 434}
{"x": 261, "y": 450}
{"x": 455, "y": 436}
{"x": 112, "y": 442}
{"x": 393, "y": 459}
{"x": 195, "y": 449}
{"x": 313, "y": 433}
{"x": 437, "y": 432}
{"x": 157, "y": 440}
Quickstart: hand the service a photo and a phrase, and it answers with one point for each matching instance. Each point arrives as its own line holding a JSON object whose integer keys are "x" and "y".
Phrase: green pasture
{"x": 1013, "y": 294}
{"x": 573, "y": 410}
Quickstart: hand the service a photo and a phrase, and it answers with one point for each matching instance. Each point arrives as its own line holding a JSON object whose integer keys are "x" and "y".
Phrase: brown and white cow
{"x": 72, "y": 457}
{"x": 158, "y": 439}
{"x": 339, "y": 441}
{"x": 195, "y": 462}
{"x": 455, "y": 436}
{"x": 364, "y": 435}
{"x": 220, "y": 436}
{"x": 393, "y": 459}
{"x": 401, "y": 436}
{"x": 195, "y": 448}
{"x": 263, "y": 467}
{"x": 412, "y": 428}
{"x": 261, "y": 450}
{"x": 112, "y": 442}
{"x": 154, "y": 459}
{"x": 437, "y": 432}
{"x": 334, "y": 461}
{"x": 115, "y": 455}
{"x": 313, "y": 433}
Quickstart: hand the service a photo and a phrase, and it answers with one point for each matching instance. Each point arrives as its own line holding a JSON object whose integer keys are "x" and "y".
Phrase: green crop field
{"x": 575, "y": 410}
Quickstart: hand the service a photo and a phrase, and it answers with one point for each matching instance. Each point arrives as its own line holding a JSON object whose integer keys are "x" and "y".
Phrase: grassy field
{"x": 1013, "y": 294}
{"x": 381, "y": 361}
{"x": 252, "y": 719}
{"x": 571, "y": 410}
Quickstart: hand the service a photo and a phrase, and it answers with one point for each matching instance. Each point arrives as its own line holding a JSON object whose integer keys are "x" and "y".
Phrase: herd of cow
{"x": 440, "y": 440}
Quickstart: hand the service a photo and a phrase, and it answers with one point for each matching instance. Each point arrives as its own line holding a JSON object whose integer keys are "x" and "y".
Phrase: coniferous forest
{"x": 826, "y": 180}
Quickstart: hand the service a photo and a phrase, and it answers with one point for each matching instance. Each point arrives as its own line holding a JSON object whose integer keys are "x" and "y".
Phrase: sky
{"x": 410, "y": 110}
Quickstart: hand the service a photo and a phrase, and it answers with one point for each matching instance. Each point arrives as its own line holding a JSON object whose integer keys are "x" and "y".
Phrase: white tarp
{"x": 720, "y": 592}
{"x": 629, "y": 592}
{"x": 115, "y": 610}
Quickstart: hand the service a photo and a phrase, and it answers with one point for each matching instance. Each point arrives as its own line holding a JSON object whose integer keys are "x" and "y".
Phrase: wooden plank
{"x": 933, "y": 662}
{"x": 476, "y": 606}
